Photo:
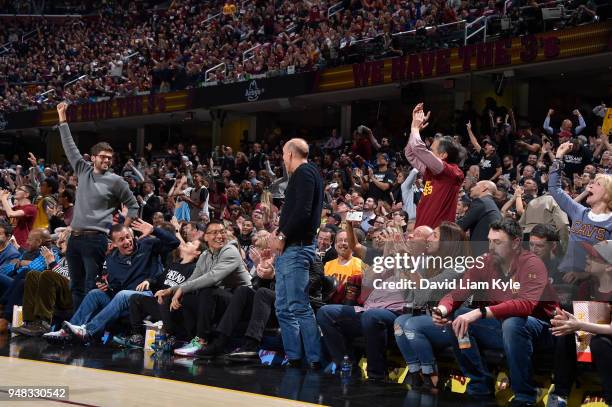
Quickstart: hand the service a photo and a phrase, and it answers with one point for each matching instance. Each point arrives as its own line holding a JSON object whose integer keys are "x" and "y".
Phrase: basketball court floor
{"x": 99, "y": 375}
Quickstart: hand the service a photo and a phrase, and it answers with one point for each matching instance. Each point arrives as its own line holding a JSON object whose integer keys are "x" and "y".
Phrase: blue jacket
{"x": 127, "y": 272}
{"x": 9, "y": 253}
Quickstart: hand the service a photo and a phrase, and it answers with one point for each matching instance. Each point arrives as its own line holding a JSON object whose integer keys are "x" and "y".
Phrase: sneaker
{"x": 190, "y": 349}
{"x": 555, "y": 401}
{"x": 136, "y": 341}
{"x": 35, "y": 328}
{"x": 78, "y": 331}
{"x": 215, "y": 349}
{"x": 248, "y": 351}
{"x": 58, "y": 336}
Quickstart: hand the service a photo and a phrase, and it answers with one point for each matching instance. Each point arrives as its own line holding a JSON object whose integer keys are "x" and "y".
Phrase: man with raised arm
{"x": 98, "y": 195}
{"x": 441, "y": 173}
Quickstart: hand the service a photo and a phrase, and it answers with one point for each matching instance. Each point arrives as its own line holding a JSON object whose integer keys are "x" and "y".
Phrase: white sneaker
{"x": 190, "y": 349}
{"x": 61, "y": 335}
{"x": 78, "y": 331}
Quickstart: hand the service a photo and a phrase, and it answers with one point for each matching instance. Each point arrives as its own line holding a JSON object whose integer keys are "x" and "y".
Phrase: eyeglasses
{"x": 216, "y": 232}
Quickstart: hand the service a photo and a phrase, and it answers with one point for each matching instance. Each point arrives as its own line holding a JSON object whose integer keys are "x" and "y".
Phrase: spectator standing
{"x": 441, "y": 173}
{"x": 299, "y": 221}
{"x": 98, "y": 195}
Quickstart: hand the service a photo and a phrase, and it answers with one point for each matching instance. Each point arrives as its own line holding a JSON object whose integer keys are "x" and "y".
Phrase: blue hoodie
{"x": 127, "y": 272}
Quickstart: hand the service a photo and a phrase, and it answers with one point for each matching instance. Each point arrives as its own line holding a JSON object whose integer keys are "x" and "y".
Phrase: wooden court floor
{"x": 94, "y": 387}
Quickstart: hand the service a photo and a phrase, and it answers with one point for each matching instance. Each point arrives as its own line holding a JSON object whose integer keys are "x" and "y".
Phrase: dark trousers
{"x": 85, "y": 256}
{"x": 201, "y": 309}
{"x": 252, "y": 306}
{"x": 43, "y": 294}
{"x": 142, "y": 306}
{"x": 565, "y": 364}
{"x": 340, "y": 324}
{"x": 14, "y": 294}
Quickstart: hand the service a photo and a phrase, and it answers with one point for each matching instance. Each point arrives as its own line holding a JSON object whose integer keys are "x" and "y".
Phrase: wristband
{"x": 483, "y": 311}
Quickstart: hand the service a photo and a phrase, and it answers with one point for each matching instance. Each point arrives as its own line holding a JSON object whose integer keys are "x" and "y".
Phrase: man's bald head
{"x": 421, "y": 233}
{"x": 295, "y": 153}
{"x": 482, "y": 189}
{"x": 298, "y": 147}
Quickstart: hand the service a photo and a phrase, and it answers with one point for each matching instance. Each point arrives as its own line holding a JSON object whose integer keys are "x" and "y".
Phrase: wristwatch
{"x": 483, "y": 311}
{"x": 281, "y": 237}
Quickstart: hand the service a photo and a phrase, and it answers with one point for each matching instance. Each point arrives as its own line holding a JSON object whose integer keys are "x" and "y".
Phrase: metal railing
{"x": 214, "y": 68}
{"x": 335, "y": 9}
{"x": 250, "y": 51}
{"x": 211, "y": 18}
{"x": 28, "y": 35}
{"x": 483, "y": 28}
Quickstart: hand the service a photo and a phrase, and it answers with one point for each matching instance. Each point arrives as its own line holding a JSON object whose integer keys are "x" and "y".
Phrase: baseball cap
{"x": 601, "y": 251}
{"x": 383, "y": 155}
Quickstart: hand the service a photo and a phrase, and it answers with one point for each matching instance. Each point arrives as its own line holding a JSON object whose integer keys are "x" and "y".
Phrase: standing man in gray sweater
{"x": 98, "y": 195}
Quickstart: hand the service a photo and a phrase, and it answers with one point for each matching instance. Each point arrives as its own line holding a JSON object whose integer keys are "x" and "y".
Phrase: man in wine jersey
{"x": 441, "y": 173}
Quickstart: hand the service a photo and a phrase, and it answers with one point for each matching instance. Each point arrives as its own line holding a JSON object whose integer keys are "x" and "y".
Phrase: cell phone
{"x": 354, "y": 216}
{"x": 333, "y": 185}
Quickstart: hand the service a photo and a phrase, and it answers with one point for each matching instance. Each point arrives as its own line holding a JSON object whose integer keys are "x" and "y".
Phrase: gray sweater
{"x": 98, "y": 195}
{"x": 224, "y": 269}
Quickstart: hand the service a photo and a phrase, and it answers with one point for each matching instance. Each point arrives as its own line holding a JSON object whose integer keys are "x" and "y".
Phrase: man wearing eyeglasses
{"x": 98, "y": 195}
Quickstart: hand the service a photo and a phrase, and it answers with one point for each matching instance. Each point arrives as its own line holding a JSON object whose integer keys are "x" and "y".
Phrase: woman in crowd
{"x": 415, "y": 332}
{"x": 590, "y": 224}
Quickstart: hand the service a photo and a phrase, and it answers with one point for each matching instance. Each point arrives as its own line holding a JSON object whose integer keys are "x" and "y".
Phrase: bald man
{"x": 294, "y": 243}
{"x": 482, "y": 212}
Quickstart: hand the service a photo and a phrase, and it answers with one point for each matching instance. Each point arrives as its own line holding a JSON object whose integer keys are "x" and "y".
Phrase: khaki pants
{"x": 43, "y": 294}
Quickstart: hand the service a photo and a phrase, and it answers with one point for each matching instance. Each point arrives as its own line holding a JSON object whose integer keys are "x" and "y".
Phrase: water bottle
{"x": 160, "y": 341}
{"x": 346, "y": 368}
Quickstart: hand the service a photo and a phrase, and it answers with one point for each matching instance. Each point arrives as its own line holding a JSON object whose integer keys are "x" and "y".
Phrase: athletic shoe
{"x": 248, "y": 351}
{"x": 190, "y": 349}
{"x": 35, "y": 328}
{"x": 136, "y": 341}
{"x": 213, "y": 350}
{"x": 555, "y": 401}
{"x": 58, "y": 336}
{"x": 78, "y": 331}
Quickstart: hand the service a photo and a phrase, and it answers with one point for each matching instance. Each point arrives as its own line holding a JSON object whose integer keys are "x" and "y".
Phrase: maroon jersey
{"x": 439, "y": 200}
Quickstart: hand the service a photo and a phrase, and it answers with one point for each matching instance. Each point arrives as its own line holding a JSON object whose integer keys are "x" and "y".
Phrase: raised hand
{"x": 47, "y": 255}
{"x": 564, "y": 149}
{"x": 419, "y": 118}
{"x": 32, "y": 159}
{"x": 551, "y": 112}
{"x": 468, "y": 125}
{"x": 61, "y": 111}
{"x": 143, "y": 227}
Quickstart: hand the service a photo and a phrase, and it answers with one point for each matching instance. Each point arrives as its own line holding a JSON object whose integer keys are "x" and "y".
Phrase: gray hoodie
{"x": 222, "y": 269}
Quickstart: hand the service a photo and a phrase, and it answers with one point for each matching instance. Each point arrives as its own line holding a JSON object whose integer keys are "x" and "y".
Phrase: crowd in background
{"x": 209, "y": 216}
{"x": 129, "y": 48}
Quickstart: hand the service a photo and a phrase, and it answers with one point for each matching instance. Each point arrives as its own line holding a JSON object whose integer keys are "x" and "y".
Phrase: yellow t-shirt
{"x": 342, "y": 272}
{"x": 42, "y": 220}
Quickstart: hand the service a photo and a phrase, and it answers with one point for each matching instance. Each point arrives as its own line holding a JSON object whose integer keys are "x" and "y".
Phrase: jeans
{"x": 5, "y": 283}
{"x": 13, "y": 295}
{"x": 85, "y": 256}
{"x": 517, "y": 337}
{"x": 340, "y": 323}
{"x": 417, "y": 337}
{"x": 293, "y": 311}
{"x": 99, "y": 310}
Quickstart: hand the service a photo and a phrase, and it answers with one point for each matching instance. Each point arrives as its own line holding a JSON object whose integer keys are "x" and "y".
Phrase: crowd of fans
{"x": 197, "y": 252}
{"x": 129, "y": 48}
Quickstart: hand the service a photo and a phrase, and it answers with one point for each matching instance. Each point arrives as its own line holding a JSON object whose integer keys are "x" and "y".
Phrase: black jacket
{"x": 482, "y": 212}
